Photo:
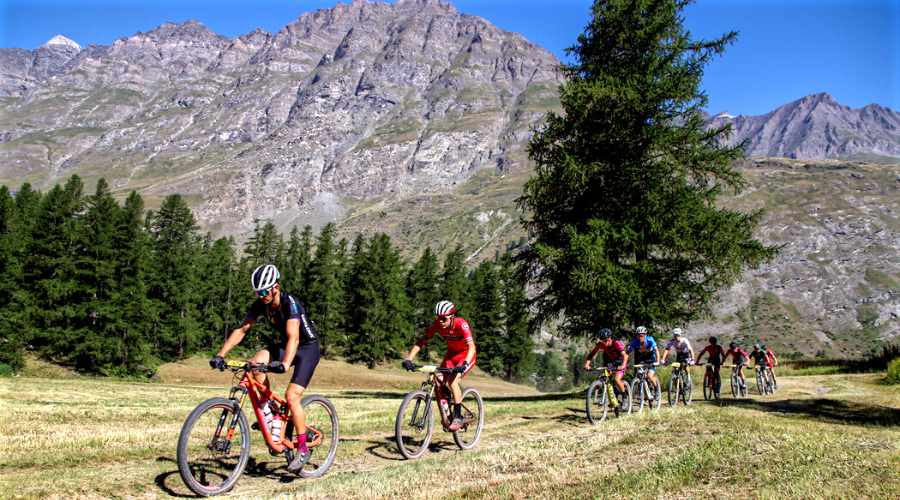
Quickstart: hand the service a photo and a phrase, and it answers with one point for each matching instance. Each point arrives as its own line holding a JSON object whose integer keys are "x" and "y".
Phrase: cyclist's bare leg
{"x": 618, "y": 380}
{"x": 453, "y": 381}
{"x": 741, "y": 375}
{"x": 294, "y": 396}
{"x": 262, "y": 356}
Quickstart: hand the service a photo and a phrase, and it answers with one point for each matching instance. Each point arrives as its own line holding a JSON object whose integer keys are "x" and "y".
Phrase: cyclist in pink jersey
{"x": 613, "y": 354}
{"x": 740, "y": 358}
{"x": 460, "y": 352}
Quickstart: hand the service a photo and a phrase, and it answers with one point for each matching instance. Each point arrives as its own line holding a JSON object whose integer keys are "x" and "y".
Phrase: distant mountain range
{"x": 817, "y": 127}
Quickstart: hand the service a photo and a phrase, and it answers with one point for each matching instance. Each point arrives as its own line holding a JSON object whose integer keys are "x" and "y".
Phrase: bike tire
{"x": 626, "y": 399}
{"x": 708, "y": 390}
{"x": 760, "y": 384}
{"x": 320, "y": 414}
{"x": 773, "y": 380}
{"x": 675, "y": 388}
{"x": 472, "y": 402}
{"x": 735, "y": 386}
{"x": 596, "y": 402}
{"x": 192, "y": 438}
{"x": 638, "y": 395}
{"x": 416, "y": 446}
{"x": 687, "y": 387}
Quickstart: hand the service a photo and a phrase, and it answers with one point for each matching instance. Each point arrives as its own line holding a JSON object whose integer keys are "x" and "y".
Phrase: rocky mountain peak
{"x": 61, "y": 41}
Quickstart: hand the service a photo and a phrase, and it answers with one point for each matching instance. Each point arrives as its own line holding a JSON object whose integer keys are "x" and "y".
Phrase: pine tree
{"x": 622, "y": 205}
{"x": 485, "y": 318}
{"x": 222, "y": 291}
{"x": 325, "y": 299}
{"x": 454, "y": 282}
{"x": 11, "y": 347}
{"x": 518, "y": 356}
{"x": 45, "y": 304}
{"x": 384, "y": 312}
{"x": 174, "y": 281}
{"x": 266, "y": 246}
{"x": 423, "y": 292}
{"x": 297, "y": 259}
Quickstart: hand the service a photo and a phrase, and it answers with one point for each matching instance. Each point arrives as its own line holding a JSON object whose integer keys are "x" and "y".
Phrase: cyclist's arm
{"x": 471, "y": 354}
{"x": 665, "y": 355}
{"x": 235, "y": 338}
{"x": 292, "y": 328}
{"x": 691, "y": 350}
{"x": 656, "y": 350}
{"x": 624, "y": 361}
{"x": 593, "y": 353}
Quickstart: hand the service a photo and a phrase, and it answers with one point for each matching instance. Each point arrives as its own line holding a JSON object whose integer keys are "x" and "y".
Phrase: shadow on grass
{"x": 555, "y": 396}
{"x": 373, "y": 395}
{"x": 832, "y": 410}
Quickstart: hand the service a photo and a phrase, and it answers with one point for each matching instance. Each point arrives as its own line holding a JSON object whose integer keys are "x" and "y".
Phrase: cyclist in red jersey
{"x": 740, "y": 358}
{"x": 716, "y": 358}
{"x": 613, "y": 354}
{"x": 771, "y": 360}
{"x": 460, "y": 352}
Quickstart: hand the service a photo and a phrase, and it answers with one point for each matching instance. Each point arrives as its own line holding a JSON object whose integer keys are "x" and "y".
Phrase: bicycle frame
{"x": 430, "y": 387}
{"x": 249, "y": 386}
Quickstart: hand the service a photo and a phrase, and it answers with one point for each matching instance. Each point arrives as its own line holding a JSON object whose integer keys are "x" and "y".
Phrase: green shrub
{"x": 5, "y": 370}
{"x": 893, "y": 372}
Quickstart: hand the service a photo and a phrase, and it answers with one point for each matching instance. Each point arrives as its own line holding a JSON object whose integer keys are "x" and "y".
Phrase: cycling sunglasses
{"x": 443, "y": 318}
{"x": 264, "y": 293}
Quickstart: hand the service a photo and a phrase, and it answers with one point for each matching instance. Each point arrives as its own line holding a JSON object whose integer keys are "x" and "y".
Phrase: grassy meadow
{"x": 820, "y": 436}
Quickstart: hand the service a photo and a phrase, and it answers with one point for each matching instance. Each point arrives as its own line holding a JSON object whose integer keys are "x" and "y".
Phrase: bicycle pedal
{"x": 255, "y": 426}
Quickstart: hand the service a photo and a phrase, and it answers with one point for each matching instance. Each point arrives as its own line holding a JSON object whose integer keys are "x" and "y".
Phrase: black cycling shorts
{"x": 304, "y": 362}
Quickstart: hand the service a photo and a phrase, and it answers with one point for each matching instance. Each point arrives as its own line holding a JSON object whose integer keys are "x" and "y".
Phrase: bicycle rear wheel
{"x": 656, "y": 392}
{"x": 322, "y": 435}
{"x": 414, "y": 425}
{"x": 473, "y": 419}
{"x": 773, "y": 380}
{"x": 596, "y": 402}
{"x": 735, "y": 386}
{"x": 213, "y": 447}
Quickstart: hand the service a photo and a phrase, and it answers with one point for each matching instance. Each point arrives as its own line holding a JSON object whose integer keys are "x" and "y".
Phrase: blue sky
{"x": 786, "y": 49}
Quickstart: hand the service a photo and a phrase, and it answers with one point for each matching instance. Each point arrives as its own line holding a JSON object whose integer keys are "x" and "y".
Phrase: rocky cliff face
{"x": 817, "y": 127}
{"x": 360, "y": 100}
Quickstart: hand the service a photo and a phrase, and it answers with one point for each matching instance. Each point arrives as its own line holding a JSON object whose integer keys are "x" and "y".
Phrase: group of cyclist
{"x": 297, "y": 345}
{"x": 645, "y": 352}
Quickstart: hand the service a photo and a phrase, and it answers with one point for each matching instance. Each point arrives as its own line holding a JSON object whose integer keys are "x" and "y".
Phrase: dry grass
{"x": 820, "y": 436}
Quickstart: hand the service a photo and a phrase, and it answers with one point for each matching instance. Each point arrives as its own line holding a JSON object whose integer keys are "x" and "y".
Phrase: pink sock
{"x": 301, "y": 442}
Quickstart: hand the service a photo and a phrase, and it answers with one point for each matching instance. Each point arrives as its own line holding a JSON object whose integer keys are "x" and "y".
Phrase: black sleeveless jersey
{"x": 290, "y": 308}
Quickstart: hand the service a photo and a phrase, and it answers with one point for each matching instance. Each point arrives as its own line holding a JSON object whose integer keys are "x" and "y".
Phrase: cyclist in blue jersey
{"x": 645, "y": 351}
{"x": 297, "y": 345}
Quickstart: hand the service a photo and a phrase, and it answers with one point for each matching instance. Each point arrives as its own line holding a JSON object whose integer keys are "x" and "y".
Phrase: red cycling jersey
{"x": 716, "y": 354}
{"x": 770, "y": 358}
{"x": 458, "y": 336}
{"x": 740, "y": 356}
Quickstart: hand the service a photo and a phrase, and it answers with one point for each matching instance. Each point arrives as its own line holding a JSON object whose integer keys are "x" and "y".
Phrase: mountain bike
{"x": 643, "y": 390}
{"x": 214, "y": 444}
{"x": 601, "y": 396}
{"x": 763, "y": 384}
{"x": 415, "y": 419}
{"x": 737, "y": 389}
{"x": 712, "y": 381}
{"x": 680, "y": 384}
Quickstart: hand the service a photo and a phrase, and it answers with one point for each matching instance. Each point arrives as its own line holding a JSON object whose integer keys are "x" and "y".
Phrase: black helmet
{"x": 604, "y": 333}
{"x": 713, "y": 340}
{"x": 732, "y": 345}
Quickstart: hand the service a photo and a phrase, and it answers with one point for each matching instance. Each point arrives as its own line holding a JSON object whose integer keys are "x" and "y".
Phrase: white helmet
{"x": 677, "y": 332}
{"x": 641, "y": 329}
{"x": 264, "y": 277}
{"x": 444, "y": 308}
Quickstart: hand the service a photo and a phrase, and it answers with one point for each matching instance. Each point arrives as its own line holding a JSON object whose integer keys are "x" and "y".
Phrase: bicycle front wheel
{"x": 773, "y": 380}
{"x": 656, "y": 391}
{"x": 708, "y": 387}
{"x": 414, "y": 425}
{"x": 760, "y": 383}
{"x": 322, "y": 435}
{"x": 213, "y": 447}
{"x": 473, "y": 419}
{"x": 687, "y": 387}
{"x": 735, "y": 386}
{"x": 596, "y": 402}
{"x": 675, "y": 388}
{"x": 638, "y": 395}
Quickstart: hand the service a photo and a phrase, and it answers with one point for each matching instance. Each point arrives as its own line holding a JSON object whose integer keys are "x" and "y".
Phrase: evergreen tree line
{"x": 111, "y": 289}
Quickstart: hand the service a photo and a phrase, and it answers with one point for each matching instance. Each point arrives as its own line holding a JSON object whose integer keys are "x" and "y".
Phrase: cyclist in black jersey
{"x": 297, "y": 345}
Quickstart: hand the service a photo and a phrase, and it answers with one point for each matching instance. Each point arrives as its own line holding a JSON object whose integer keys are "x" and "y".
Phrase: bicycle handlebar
{"x": 431, "y": 369}
{"x": 235, "y": 366}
